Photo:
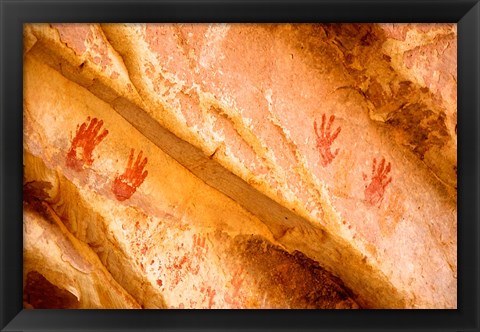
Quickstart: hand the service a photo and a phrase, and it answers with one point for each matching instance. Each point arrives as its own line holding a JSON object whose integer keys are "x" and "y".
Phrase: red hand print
{"x": 86, "y": 139}
{"x": 199, "y": 249}
{"x": 199, "y": 245}
{"x": 376, "y": 189}
{"x": 325, "y": 139}
{"x": 126, "y": 184}
{"x": 234, "y": 297}
{"x": 189, "y": 263}
{"x": 208, "y": 293}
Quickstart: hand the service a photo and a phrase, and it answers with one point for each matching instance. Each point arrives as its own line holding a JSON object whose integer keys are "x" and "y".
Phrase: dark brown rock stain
{"x": 39, "y": 293}
{"x": 415, "y": 114}
{"x": 419, "y": 128}
{"x": 291, "y": 280}
{"x": 34, "y": 194}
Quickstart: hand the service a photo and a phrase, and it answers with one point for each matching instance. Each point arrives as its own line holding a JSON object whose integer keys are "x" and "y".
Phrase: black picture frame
{"x": 15, "y": 13}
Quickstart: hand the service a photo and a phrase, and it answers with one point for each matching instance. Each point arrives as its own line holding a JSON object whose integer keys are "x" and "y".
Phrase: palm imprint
{"x": 86, "y": 139}
{"x": 325, "y": 140}
{"x": 376, "y": 189}
{"x": 125, "y": 185}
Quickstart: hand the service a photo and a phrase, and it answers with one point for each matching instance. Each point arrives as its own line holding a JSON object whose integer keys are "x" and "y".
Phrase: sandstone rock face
{"x": 248, "y": 166}
{"x": 167, "y": 238}
{"x": 54, "y": 256}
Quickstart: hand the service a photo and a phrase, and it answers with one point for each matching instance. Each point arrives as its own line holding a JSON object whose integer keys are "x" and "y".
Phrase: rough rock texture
{"x": 344, "y": 137}
{"x": 53, "y": 256}
{"x": 166, "y": 237}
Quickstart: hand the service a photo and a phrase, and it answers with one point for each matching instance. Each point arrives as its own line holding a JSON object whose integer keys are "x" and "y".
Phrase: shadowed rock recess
{"x": 240, "y": 166}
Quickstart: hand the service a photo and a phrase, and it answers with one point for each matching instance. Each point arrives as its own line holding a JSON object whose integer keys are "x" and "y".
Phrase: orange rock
{"x": 345, "y": 142}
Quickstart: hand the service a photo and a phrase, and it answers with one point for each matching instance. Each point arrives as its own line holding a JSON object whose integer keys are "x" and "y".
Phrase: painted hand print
{"x": 199, "y": 250}
{"x": 208, "y": 294}
{"x": 325, "y": 140}
{"x": 189, "y": 262}
{"x": 125, "y": 185}
{"x": 196, "y": 255}
{"x": 376, "y": 188}
{"x": 233, "y": 297}
{"x": 87, "y": 137}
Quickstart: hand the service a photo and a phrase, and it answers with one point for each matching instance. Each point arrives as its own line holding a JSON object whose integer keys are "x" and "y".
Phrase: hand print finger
{"x": 144, "y": 163}
{"x": 128, "y": 171}
{"x": 139, "y": 168}
{"x": 77, "y": 131}
{"x": 82, "y": 129}
{"x": 330, "y": 122}
{"x": 139, "y": 159}
{"x": 199, "y": 242}
{"x": 315, "y": 128}
{"x": 335, "y": 153}
{"x": 374, "y": 167}
{"x": 322, "y": 127}
{"x": 387, "y": 183}
{"x": 137, "y": 181}
{"x": 334, "y": 136}
{"x": 387, "y": 169}
{"x": 381, "y": 166}
{"x": 100, "y": 138}
{"x": 96, "y": 128}
{"x": 91, "y": 126}
{"x": 324, "y": 157}
{"x": 130, "y": 159}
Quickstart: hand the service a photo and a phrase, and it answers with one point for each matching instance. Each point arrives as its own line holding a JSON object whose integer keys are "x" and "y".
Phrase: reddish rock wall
{"x": 345, "y": 133}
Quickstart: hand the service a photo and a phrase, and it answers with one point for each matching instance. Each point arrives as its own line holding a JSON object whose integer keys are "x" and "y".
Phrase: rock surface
{"x": 340, "y": 139}
{"x": 166, "y": 237}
